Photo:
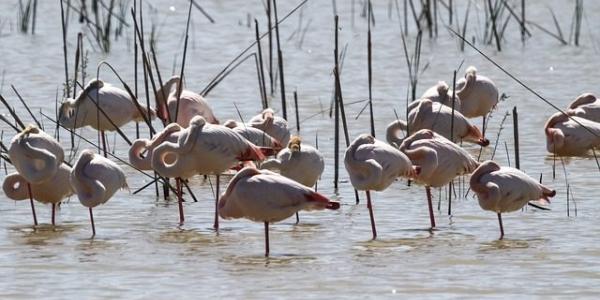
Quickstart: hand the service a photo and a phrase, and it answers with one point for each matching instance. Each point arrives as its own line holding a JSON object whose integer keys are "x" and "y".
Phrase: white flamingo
{"x": 478, "y": 94}
{"x": 299, "y": 162}
{"x": 373, "y": 166}
{"x": 437, "y": 117}
{"x": 275, "y": 126}
{"x": 245, "y": 198}
{"x": 202, "y": 149}
{"x": 439, "y": 159}
{"x": 37, "y": 157}
{"x": 254, "y": 135}
{"x": 52, "y": 191}
{"x": 440, "y": 93}
{"x": 571, "y": 135}
{"x": 190, "y": 104}
{"x": 505, "y": 189}
{"x": 140, "y": 152}
{"x": 95, "y": 180}
{"x": 586, "y": 106}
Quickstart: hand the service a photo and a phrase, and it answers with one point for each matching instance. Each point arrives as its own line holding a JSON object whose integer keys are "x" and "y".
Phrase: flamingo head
{"x": 230, "y": 124}
{"x": 67, "y": 113}
{"x": 364, "y": 139}
{"x": 294, "y": 144}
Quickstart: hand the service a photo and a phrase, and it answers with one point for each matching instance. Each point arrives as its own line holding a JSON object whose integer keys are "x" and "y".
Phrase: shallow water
{"x": 139, "y": 252}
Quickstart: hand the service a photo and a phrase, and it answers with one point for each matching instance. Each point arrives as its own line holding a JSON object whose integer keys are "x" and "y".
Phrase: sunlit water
{"x": 139, "y": 252}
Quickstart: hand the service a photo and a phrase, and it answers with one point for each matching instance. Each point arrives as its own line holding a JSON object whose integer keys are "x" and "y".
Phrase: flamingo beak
{"x": 483, "y": 142}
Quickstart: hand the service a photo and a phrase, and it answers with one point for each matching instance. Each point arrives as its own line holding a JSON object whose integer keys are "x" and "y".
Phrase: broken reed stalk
{"x": 26, "y": 107}
{"x": 12, "y": 113}
{"x": 494, "y": 28}
{"x": 507, "y": 154}
{"x": 370, "y": 69}
{"x": 297, "y": 112}
{"x": 180, "y": 85}
{"x": 280, "y": 62}
{"x": 516, "y": 136}
{"x": 263, "y": 91}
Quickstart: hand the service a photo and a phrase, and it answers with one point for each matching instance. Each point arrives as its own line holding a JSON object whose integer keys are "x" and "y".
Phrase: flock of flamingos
{"x": 193, "y": 143}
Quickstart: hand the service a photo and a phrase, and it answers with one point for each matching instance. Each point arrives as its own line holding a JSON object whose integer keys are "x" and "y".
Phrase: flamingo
{"x": 439, "y": 159}
{"x": 585, "y": 106}
{"x": 37, "y": 157}
{"x": 565, "y": 135}
{"x": 440, "y": 93}
{"x": 113, "y": 101}
{"x": 190, "y": 104}
{"x": 505, "y": 189}
{"x": 141, "y": 150}
{"x": 202, "y": 148}
{"x": 478, "y": 94}
{"x": 245, "y": 198}
{"x": 95, "y": 179}
{"x": 375, "y": 165}
{"x": 299, "y": 162}
{"x": 52, "y": 191}
{"x": 437, "y": 117}
{"x": 254, "y": 135}
{"x": 275, "y": 126}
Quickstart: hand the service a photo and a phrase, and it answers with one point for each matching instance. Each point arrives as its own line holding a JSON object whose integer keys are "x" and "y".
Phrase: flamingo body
{"x": 567, "y": 137}
{"x": 36, "y": 155}
{"x": 51, "y": 191}
{"x": 253, "y": 135}
{"x": 300, "y": 162}
{"x": 478, "y": 94}
{"x": 586, "y": 106}
{"x": 190, "y": 104}
{"x": 275, "y": 126}
{"x": 143, "y": 161}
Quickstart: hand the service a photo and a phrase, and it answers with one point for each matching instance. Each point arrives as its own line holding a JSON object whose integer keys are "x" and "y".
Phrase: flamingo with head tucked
{"x": 245, "y": 198}
{"x": 141, "y": 150}
{"x": 585, "y": 106}
{"x": 190, "y": 105}
{"x": 37, "y": 157}
{"x": 299, "y": 162}
{"x": 204, "y": 149}
{"x": 505, "y": 189}
{"x": 254, "y": 135}
{"x": 569, "y": 135}
{"x": 114, "y": 103}
{"x": 95, "y": 180}
{"x": 52, "y": 191}
{"x": 439, "y": 159}
{"x": 373, "y": 166}
{"x": 439, "y": 118}
{"x": 273, "y": 125}
{"x": 440, "y": 93}
{"x": 478, "y": 94}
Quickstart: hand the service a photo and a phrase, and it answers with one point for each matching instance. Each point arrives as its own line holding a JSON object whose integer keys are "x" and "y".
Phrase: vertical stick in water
{"x": 180, "y": 85}
{"x": 450, "y": 6}
{"x": 523, "y": 20}
{"x": 516, "y": 135}
{"x": 280, "y": 62}
{"x": 265, "y": 104}
{"x": 452, "y": 137}
{"x": 297, "y": 112}
{"x": 270, "y": 46}
{"x": 64, "y": 39}
{"x": 336, "y": 142}
{"x": 370, "y": 73}
{"x": 494, "y": 28}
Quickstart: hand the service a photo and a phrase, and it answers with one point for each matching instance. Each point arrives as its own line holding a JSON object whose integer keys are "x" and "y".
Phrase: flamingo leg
{"x": 297, "y": 218}
{"x": 216, "y": 224}
{"x": 431, "y": 217}
{"x": 501, "y": 227}
{"x": 92, "y": 221}
{"x": 180, "y": 201}
{"x": 266, "y": 239}
{"x": 483, "y": 126}
{"x": 103, "y": 142}
{"x": 370, "y": 207}
{"x": 356, "y": 196}
{"x": 53, "y": 213}
{"x": 35, "y": 222}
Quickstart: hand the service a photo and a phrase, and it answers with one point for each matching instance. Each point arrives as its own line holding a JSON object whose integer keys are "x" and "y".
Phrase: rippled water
{"x": 140, "y": 252}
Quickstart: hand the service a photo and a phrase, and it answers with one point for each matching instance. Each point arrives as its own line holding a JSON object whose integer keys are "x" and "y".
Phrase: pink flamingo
{"x": 95, "y": 180}
{"x": 245, "y": 198}
{"x": 275, "y": 126}
{"x": 437, "y": 117}
{"x": 190, "y": 105}
{"x": 585, "y": 106}
{"x": 140, "y": 152}
{"x": 439, "y": 159}
{"x": 478, "y": 94}
{"x": 505, "y": 189}
{"x": 373, "y": 166}
{"x": 52, "y": 191}
{"x": 565, "y": 135}
{"x": 205, "y": 149}
{"x": 299, "y": 162}
{"x": 440, "y": 93}
{"x": 253, "y": 135}
{"x": 37, "y": 157}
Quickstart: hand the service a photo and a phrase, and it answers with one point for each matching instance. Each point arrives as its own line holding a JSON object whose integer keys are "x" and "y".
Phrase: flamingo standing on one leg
{"x": 245, "y": 198}
{"x": 275, "y": 126}
{"x": 439, "y": 118}
{"x": 202, "y": 148}
{"x": 374, "y": 165}
{"x": 585, "y": 106}
{"x": 95, "y": 180}
{"x": 190, "y": 105}
{"x": 113, "y": 101}
{"x": 300, "y": 162}
{"x": 37, "y": 157}
{"x": 505, "y": 189}
{"x": 571, "y": 135}
{"x": 478, "y": 94}
{"x": 52, "y": 191}
{"x": 439, "y": 159}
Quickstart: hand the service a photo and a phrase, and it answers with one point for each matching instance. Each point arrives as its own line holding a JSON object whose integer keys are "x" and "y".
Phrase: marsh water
{"x": 140, "y": 251}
